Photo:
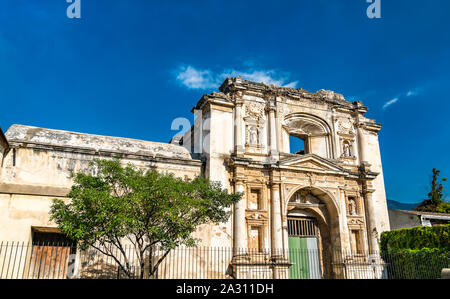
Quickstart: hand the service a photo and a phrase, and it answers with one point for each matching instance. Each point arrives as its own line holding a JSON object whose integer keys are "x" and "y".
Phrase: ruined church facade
{"x": 331, "y": 192}
{"x": 329, "y": 196}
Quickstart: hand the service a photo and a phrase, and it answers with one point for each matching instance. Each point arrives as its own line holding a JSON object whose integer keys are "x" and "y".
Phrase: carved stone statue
{"x": 352, "y": 206}
{"x": 253, "y": 136}
{"x": 347, "y": 150}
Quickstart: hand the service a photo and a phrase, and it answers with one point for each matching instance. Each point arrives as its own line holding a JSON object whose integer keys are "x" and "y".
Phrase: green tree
{"x": 436, "y": 199}
{"x": 148, "y": 209}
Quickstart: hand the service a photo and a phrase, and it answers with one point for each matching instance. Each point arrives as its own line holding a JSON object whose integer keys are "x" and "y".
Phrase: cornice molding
{"x": 107, "y": 153}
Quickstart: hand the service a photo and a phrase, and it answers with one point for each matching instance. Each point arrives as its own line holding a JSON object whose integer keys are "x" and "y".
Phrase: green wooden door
{"x": 303, "y": 248}
{"x": 304, "y": 255}
{"x": 298, "y": 255}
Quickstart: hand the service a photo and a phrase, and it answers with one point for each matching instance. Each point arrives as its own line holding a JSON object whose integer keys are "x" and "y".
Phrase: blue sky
{"x": 128, "y": 68}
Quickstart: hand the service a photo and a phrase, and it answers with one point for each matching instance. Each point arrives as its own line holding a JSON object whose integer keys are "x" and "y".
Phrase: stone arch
{"x": 320, "y": 205}
{"x": 315, "y": 131}
{"x": 327, "y": 196}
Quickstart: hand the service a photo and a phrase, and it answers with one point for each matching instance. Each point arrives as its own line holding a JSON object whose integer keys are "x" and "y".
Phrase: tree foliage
{"x": 436, "y": 198}
{"x": 148, "y": 209}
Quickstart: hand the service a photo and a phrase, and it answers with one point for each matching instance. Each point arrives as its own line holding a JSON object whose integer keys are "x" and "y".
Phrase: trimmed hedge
{"x": 416, "y": 253}
{"x": 416, "y": 264}
{"x": 416, "y": 238}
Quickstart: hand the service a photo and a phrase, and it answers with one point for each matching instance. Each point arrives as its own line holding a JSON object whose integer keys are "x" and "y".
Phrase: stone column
{"x": 367, "y": 193}
{"x": 273, "y": 132}
{"x": 276, "y": 225}
{"x": 240, "y": 233}
{"x": 345, "y": 240}
{"x": 238, "y": 138}
{"x": 371, "y": 222}
{"x": 361, "y": 145}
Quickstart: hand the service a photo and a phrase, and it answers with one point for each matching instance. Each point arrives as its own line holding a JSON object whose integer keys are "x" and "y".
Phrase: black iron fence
{"x": 53, "y": 260}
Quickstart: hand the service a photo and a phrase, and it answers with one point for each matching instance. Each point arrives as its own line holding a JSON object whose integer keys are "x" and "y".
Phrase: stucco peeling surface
{"x": 28, "y": 134}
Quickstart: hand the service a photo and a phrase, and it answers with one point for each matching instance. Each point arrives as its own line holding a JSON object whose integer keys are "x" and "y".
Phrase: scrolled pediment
{"x": 311, "y": 162}
{"x": 256, "y": 217}
{"x": 355, "y": 221}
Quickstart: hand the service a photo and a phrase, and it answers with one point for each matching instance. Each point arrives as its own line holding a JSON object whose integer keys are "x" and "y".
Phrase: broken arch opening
{"x": 297, "y": 145}
{"x": 315, "y": 133}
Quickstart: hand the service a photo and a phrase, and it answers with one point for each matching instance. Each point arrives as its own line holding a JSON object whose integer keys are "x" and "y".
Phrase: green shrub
{"x": 416, "y": 253}
{"x": 416, "y": 264}
{"x": 416, "y": 238}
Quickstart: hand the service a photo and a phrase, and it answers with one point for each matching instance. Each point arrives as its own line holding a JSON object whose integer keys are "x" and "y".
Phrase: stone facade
{"x": 240, "y": 138}
{"x": 244, "y": 133}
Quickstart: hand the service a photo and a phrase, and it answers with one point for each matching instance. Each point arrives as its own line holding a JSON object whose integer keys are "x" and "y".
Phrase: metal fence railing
{"x": 55, "y": 260}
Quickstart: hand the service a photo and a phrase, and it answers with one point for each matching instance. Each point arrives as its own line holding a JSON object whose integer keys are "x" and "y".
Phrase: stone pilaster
{"x": 370, "y": 214}
{"x": 238, "y": 138}
{"x": 276, "y": 225}
{"x": 370, "y": 221}
{"x": 361, "y": 145}
{"x": 273, "y": 132}
{"x": 345, "y": 234}
{"x": 240, "y": 233}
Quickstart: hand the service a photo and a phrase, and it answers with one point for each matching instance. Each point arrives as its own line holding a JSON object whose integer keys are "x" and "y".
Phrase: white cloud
{"x": 205, "y": 79}
{"x": 389, "y": 103}
{"x": 195, "y": 79}
{"x": 409, "y": 93}
{"x": 412, "y": 93}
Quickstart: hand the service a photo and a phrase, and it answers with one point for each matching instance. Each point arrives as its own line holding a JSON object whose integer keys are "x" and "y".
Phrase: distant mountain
{"x": 395, "y": 205}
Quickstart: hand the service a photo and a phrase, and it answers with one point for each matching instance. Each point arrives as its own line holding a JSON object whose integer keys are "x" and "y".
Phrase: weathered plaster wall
{"x": 40, "y": 165}
{"x": 20, "y": 212}
{"x": 373, "y": 156}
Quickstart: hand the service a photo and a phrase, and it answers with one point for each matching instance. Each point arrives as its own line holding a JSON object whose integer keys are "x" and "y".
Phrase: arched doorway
{"x": 312, "y": 233}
